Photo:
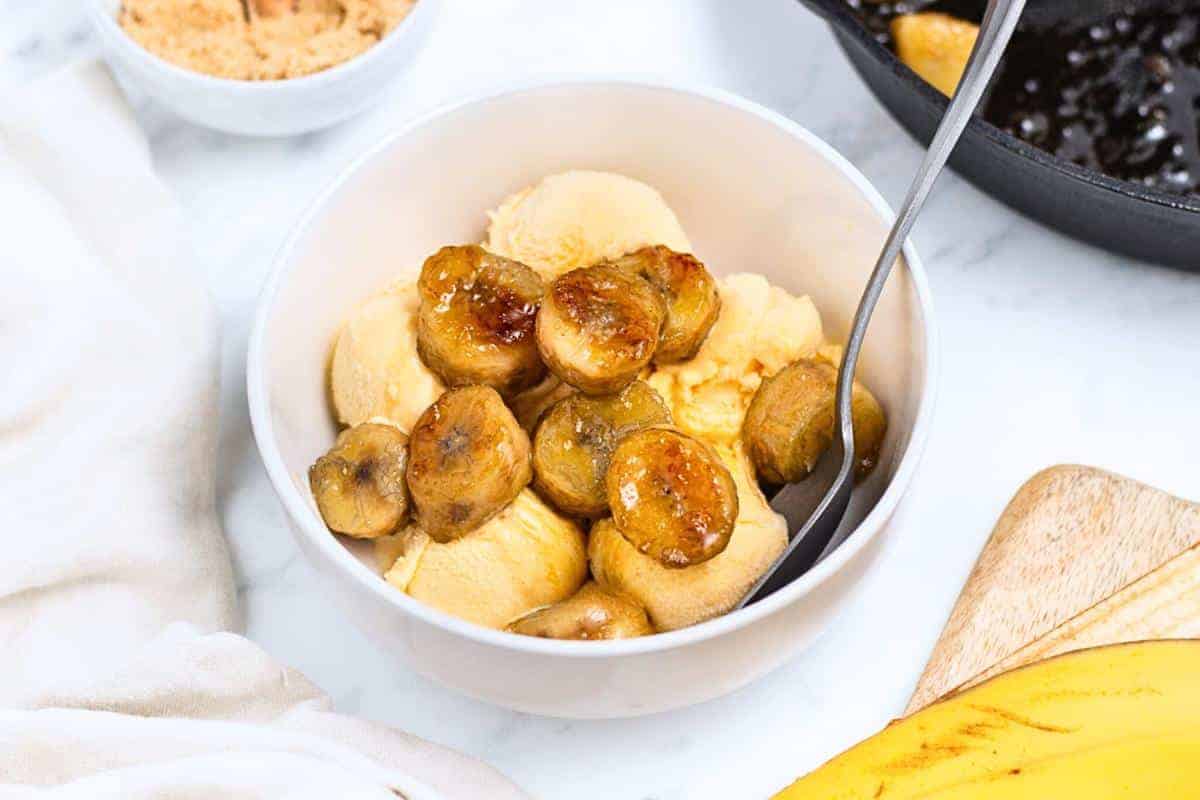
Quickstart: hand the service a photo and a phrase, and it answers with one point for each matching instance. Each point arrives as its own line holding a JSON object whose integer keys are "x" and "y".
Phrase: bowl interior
{"x": 754, "y": 193}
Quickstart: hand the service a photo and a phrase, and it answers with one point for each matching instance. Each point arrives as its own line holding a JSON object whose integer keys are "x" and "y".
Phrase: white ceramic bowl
{"x": 753, "y": 190}
{"x": 265, "y": 108}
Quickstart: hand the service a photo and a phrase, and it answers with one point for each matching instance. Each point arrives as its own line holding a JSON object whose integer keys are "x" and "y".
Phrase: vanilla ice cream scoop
{"x": 761, "y": 329}
{"x": 575, "y": 219}
{"x": 376, "y": 371}
{"x": 527, "y": 557}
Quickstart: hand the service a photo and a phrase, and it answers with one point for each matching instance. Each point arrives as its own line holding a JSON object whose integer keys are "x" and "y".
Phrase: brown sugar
{"x": 260, "y": 40}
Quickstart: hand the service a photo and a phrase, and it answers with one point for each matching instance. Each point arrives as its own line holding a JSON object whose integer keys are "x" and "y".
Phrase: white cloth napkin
{"x": 115, "y": 585}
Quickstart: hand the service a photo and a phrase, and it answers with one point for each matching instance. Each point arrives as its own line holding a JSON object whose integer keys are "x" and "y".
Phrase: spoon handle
{"x": 816, "y": 528}
{"x": 999, "y": 22}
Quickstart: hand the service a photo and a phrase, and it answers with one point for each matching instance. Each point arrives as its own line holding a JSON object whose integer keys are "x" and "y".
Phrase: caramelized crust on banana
{"x": 468, "y": 459}
{"x": 576, "y": 438}
{"x": 689, "y": 292}
{"x": 477, "y": 319}
{"x": 790, "y": 422}
{"x": 359, "y": 484}
{"x": 671, "y": 497}
{"x": 598, "y": 327}
{"x": 590, "y": 614}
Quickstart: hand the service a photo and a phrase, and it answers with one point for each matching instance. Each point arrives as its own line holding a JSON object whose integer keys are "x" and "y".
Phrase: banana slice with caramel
{"x": 671, "y": 496}
{"x": 468, "y": 459}
{"x": 359, "y": 484}
{"x": 789, "y": 424}
{"x": 477, "y": 319}
{"x": 689, "y": 291}
{"x": 590, "y": 614}
{"x": 576, "y": 438}
{"x": 598, "y": 327}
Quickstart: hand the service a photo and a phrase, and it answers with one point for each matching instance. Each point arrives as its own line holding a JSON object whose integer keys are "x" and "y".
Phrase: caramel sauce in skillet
{"x": 1118, "y": 95}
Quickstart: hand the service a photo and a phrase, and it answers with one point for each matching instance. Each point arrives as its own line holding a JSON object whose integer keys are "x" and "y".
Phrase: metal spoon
{"x": 815, "y": 515}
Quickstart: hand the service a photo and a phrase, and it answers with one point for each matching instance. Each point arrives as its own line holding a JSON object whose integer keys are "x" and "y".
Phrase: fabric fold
{"x": 118, "y": 676}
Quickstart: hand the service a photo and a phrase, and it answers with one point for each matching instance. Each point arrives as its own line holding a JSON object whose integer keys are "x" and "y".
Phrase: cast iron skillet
{"x": 1116, "y": 215}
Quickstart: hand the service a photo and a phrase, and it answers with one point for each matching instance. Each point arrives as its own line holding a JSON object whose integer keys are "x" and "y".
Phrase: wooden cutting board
{"x": 1079, "y": 558}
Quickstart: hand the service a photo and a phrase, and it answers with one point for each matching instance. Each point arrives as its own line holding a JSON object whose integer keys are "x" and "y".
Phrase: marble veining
{"x": 1052, "y": 352}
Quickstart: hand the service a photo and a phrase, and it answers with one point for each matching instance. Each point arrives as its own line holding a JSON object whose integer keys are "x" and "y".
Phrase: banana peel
{"x": 1113, "y": 722}
{"x": 1160, "y": 767}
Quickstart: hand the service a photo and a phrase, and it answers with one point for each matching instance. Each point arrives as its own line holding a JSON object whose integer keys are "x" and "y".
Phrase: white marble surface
{"x": 1053, "y": 352}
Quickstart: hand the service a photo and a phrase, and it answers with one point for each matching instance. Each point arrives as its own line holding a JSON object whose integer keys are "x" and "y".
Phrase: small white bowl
{"x": 265, "y": 108}
{"x": 754, "y": 191}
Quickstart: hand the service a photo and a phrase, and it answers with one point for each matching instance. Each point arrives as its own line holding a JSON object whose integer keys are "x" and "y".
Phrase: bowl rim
{"x": 838, "y": 15}
{"x": 305, "y": 521}
{"x": 112, "y": 32}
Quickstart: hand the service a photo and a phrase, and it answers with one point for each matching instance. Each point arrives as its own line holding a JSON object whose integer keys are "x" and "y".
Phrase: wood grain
{"x": 1163, "y": 605}
{"x": 1071, "y": 539}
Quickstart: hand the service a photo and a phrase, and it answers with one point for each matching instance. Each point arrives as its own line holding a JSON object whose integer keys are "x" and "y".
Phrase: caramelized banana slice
{"x": 468, "y": 459}
{"x": 591, "y": 613}
{"x": 936, "y": 46}
{"x": 477, "y": 319}
{"x": 870, "y": 426}
{"x": 598, "y": 327}
{"x": 576, "y": 438}
{"x": 359, "y": 484}
{"x": 671, "y": 497}
{"x": 789, "y": 424}
{"x": 690, "y": 294}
